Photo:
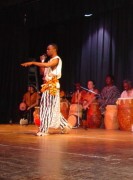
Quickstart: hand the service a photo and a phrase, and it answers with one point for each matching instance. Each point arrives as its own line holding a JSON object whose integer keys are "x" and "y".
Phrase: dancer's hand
{"x": 27, "y": 64}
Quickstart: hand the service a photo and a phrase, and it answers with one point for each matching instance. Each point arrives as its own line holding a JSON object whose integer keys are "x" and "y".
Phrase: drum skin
{"x": 94, "y": 116}
{"x": 125, "y": 113}
{"x": 22, "y": 106}
{"x": 110, "y": 118}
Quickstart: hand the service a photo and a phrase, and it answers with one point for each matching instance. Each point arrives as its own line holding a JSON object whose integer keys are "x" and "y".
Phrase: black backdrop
{"x": 89, "y": 47}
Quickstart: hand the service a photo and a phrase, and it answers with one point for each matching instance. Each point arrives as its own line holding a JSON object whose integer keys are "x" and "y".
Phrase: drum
{"x": 72, "y": 120}
{"x": 64, "y": 108}
{"x": 36, "y": 115}
{"x": 94, "y": 116}
{"x": 110, "y": 118}
{"x": 125, "y": 113}
{"x": 76, "y": 109}
{"x": 22, "y": 106}
{"x": 75, "y": 112}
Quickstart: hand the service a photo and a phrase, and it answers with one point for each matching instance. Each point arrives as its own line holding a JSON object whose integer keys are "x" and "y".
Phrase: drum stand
{"x": 78, "y": 121}
{"x": 78, "y": 118}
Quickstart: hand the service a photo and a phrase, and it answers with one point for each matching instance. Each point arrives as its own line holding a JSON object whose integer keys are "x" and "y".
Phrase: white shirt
{"x": 56, "y": 72}
{"x": 127, "y": 94}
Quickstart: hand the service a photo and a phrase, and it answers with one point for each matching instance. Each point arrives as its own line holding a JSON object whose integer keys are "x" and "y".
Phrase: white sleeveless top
{"x": 56, "y": 72}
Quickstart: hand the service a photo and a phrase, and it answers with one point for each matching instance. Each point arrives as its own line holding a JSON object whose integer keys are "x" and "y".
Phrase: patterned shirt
{"x": 109, "y": 96}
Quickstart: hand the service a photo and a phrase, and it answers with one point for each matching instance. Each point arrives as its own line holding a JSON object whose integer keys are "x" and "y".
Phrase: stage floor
{"x": 93, "y": 154}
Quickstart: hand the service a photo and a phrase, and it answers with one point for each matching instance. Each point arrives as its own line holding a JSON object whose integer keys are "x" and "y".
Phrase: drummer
{"x": 88, "y": 99}
{"x": 109, "y": 94}
{"x": 76, "y": 104}
{"x": 62, "y": 94}
{"x": 128, "y": 90}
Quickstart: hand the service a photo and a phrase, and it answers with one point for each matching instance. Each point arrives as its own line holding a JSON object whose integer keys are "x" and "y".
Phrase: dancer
{"x": 50, "y": 115}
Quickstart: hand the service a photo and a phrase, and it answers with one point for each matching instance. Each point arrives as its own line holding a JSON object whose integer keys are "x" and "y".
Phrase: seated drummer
{"x": 109, "y": 94}
{"x": 88, "y": 99}
{"x": 62, "y": 94}
{"x": 30, "y": 99}
{"x": 128, "y": 90}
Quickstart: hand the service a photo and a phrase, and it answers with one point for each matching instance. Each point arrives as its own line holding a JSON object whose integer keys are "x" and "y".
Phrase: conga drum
{"x": 72, "y": 120}
{"x": 75, "y": 112}
{"x": 125, "y": 113}
{"x": 22, "y": 106}
{"x": 94, "y": 116}
{"x": 110, "y": 118}
{"x": 76, "y": 109}
{"x": 36, "y": 116}
{"x": 64, "y": 108}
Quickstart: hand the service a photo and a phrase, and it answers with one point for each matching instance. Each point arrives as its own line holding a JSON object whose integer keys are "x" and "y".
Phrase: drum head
{"x": 22, "y": 106}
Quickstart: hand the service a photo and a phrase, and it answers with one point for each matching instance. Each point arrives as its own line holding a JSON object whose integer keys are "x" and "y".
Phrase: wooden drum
{"x": 94, "y": 116}
{"x": 22, "y": 106}
{"x": 76, "y": 109}
{"x": 36, "y": 115}
{"x": 125, "y": 113}
{"x": 72, "y": 120}
{"x": 64, "y": 108}
{"x": 110, "y": 118}
{"x": 75, "y": 112}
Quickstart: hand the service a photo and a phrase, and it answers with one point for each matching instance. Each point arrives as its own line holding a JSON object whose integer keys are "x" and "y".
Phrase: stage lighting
{"x": 88, "y": 15}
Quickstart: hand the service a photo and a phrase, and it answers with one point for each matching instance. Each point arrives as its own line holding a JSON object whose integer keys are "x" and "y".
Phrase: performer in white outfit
{"x": 50, "y": 115}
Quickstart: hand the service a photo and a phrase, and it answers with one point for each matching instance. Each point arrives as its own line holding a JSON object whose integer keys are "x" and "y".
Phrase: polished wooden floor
{"x": 93, "y": 154}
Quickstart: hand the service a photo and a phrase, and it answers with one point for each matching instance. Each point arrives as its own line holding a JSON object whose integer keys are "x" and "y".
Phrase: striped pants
{"x": 50, "y": 116}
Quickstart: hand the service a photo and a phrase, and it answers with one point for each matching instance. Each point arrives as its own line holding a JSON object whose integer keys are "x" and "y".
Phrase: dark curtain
{"x": 13, "y": 50}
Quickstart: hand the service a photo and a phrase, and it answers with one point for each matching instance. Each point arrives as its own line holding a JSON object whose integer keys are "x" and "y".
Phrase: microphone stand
{"x": 78, "y": 122}
{"x": 78, "y": 119}
{"x": 30, "y": 112}
{"x": 90, "y": 91}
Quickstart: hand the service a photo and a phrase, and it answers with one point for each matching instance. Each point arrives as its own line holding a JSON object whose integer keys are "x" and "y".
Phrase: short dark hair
{"x": 54, "y": 45}
{"x": 127, "y": 81}
{"x": 33, "y": 86}
{"x": 111, "y": 77}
